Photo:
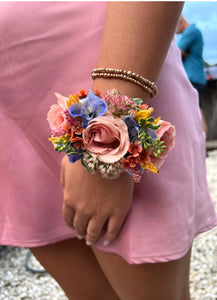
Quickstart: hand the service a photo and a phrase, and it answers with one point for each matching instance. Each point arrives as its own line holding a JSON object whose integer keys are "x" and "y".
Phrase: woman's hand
{"x": 91, "y": 202}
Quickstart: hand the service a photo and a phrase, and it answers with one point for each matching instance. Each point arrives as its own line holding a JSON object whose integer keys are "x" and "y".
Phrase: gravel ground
{"x": 17, "y": 283}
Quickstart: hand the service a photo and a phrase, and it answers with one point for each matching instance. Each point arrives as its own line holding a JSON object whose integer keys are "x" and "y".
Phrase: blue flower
{"x": 133, "y": 128}
{"x": 74, "y": 158}
{"x": 152, "y": 133}
{"x": 88, "y": 108}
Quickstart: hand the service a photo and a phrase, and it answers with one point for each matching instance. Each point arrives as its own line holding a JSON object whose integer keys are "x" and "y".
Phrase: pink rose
{"x": 107, "y": 138}
{"x": 55, "y": 115}
{"x": 166, "y": 133}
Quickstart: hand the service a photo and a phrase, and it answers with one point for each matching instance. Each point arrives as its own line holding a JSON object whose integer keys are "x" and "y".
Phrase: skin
{"x": 89, "y": 217}
{"x": 120, "y": 56}
{"x": 87, "y": 209}
{"x": 182, "y": 25}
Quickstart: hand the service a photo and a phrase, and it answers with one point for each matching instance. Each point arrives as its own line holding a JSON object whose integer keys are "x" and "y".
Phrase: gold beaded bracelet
{"x": 139, "y": 80}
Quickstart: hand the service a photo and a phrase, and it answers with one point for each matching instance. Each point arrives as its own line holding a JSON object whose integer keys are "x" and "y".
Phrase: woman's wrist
{"x": 124, "y": 87}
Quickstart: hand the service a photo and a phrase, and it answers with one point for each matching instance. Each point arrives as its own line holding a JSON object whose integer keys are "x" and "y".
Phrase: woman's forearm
{"x": 136, "y": 37}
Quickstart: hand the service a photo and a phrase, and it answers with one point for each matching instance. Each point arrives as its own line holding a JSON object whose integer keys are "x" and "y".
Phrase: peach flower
{"x": 166, "y": 133}
{"x": 107, "y": 138}
{"x": 55, "y": 115}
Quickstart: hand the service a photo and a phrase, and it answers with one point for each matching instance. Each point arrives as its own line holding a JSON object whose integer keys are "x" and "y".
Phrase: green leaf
{"x": 83, "y": 163}
{"x": 142, "y": 123}
{"x": 138, "y": 101}
{"x": 150, "y": 119}
{"x": 151, "y": 126}
{"x": 74, "y": 153}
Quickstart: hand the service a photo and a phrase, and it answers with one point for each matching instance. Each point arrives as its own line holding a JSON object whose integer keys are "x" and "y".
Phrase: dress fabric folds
{"x": 48, "y": 47}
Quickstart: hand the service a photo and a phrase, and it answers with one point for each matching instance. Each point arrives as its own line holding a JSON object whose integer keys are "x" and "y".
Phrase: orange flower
{"x": 78, "y": 143}
{"x": 143, "y": 106}
{"x": 66, "y": 127}
{"x": 96, "y": 92}
{"x": 132, "y": 160}
{"x": 135, "y": 148}
{"x": 144, "y": 157}
{"x": 125, "y": 164}
{"x": 82, "y": 94}
{"x": 77, "y": 128}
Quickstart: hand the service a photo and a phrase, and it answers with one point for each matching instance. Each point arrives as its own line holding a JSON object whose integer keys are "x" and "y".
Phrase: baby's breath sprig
{"x": 110, "y": 171}
{"x": 119, "y": 105}
{"x": 90, "y": 163}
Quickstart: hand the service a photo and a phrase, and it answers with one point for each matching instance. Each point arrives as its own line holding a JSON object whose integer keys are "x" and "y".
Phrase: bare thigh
{"x": 156, "y": 281}
{"x": 75, "y": 268}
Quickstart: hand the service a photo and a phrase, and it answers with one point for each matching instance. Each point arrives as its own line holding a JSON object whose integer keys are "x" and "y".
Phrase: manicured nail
{"x": 88, "y": 243}
{"x": 106, "y": 243}
{"x": 80, "y": 237}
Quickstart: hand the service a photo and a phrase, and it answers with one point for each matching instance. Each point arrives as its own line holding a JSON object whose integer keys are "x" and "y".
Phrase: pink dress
{"x": 48, "y": 47}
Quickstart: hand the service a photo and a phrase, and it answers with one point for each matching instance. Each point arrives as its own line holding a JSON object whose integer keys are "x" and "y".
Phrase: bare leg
{"x": 157, "y": 281}
{"x": 75, "y": 268}
{"x": 203, "y": 121}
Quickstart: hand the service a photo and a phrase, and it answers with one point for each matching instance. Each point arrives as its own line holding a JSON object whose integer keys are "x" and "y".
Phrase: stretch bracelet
{"x": 139, "y": 80}
{"x": 110, "y": 133}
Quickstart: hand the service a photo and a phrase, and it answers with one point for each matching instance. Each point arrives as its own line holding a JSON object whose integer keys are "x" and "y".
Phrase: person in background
{"x": 191, "y": 46}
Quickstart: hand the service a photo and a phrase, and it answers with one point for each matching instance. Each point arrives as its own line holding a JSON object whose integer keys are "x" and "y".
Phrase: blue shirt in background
{"x": 191, "y": 42}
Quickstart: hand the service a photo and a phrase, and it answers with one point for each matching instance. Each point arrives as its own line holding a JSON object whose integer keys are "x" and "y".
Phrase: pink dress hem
{"x": 127, "y": 258}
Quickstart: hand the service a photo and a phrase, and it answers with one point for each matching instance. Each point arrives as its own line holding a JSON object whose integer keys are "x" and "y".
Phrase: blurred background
{"x": 204, "y": 15}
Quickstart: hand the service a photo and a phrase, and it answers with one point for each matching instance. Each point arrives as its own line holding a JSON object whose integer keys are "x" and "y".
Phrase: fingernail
{"x": 106, "y": 243}
{"x": 79, "y": 237}
{"x": 88, "y": 243}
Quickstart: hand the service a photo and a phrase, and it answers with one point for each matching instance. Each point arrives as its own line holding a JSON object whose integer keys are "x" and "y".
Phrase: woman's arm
{"x": 136, "y": 37}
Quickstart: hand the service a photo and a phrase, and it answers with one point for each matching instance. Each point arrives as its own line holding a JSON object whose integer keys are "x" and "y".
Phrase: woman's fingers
{"x": 113, "y": 228}
{"x": 94, "y": 229}
{"x": 88, "y": 202}
{"x": 68, "y": 213}
{"x": 80, "y": 224}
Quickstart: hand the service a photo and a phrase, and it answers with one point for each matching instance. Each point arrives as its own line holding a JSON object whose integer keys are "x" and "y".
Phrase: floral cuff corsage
{"x": 110, "y": 133}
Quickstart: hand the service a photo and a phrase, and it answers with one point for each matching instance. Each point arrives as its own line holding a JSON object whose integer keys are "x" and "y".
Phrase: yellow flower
{"x": 150, "y": 167}
{"x": 157, "y": 120}
{"x": 143, "y": 114}
{"x": 52, "y": 139}
{"x": 73, "y": 99}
